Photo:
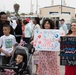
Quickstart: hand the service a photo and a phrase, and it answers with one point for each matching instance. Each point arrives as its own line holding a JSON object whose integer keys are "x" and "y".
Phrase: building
{"x": 57, "y": 12}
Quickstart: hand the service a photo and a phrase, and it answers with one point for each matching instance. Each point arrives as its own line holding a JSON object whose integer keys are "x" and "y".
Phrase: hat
{"x": 62, "y": 20}
{"x": 27, "y": 19}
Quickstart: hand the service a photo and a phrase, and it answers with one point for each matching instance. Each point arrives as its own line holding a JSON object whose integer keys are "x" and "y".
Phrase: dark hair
{"x": 2, "y": 13}
{"x": 6, "y": 25}
{"x": 37, "y": 20}
{"x": 70, "y": 31}
{"x": 51, "y": 22}
{"x": 62, "y": 20}
{"x": 25, "y": 22}
{"x": 18, "y": 21}
{"x": 21, "y": 55}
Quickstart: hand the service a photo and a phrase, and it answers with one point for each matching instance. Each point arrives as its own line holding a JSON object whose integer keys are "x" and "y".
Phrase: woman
{"x": 36, "y": 23}
{"x": 18, "y": 31}
{"x": 47, "y": 64}
{"x": 71, "y": 70}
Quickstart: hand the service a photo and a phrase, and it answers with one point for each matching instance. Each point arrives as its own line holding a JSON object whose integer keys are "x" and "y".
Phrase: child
{"x": 7, "y": 42}
{"x": 18, "y": 63}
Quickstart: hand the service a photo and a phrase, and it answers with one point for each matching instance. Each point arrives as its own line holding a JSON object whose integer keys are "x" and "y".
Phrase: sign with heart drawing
{"x": 47, "y": 39}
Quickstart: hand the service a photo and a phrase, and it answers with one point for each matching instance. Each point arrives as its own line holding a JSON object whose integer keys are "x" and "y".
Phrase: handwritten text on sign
{"x": 47, "y": 40}
{"x": 68, "y": 51}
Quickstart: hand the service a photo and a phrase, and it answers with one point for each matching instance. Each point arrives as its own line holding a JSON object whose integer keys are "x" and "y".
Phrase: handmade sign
{"x": 47, "y": 39}
{"x": 68, "y": 51}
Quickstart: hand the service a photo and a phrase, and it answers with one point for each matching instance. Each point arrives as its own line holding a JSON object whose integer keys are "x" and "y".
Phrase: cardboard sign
{"x": 68, "y": 51}
{"x": 47, "y": 40}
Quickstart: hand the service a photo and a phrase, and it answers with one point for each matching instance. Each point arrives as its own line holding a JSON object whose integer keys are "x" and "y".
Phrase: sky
{"x": 7, "y": 5}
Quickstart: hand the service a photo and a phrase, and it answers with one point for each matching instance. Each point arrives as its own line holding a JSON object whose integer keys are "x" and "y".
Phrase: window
{"x": 53, "y": 12}
{"x": 66, "y": 13}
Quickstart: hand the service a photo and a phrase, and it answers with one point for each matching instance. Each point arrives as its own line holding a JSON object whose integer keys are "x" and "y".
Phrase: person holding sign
{"x": 47, "y": 63}
{"x": 71, "y": 70}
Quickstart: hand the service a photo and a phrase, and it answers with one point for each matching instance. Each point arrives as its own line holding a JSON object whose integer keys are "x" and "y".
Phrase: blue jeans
{"x": 27, "y": 40}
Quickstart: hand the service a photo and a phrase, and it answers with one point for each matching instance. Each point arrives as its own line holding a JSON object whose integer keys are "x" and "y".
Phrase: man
{"x": 27, "y": 30}
{"x": 63, "y": 26}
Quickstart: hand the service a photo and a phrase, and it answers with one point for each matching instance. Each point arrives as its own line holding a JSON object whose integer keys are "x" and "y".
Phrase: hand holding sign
{"x": 47, "y": 40}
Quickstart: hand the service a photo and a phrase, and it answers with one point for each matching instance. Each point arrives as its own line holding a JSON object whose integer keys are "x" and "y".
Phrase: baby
{"x": 18, "y": 64}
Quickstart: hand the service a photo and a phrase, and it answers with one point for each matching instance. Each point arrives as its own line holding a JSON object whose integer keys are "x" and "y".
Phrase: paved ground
{"x": 61, "y": 67}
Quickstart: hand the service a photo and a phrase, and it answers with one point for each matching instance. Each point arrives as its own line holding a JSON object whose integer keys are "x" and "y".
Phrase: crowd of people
{"x": 12, "y": 32}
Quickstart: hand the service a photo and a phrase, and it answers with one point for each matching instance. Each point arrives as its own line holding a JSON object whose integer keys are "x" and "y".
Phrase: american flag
{"x": 22, "y": 43}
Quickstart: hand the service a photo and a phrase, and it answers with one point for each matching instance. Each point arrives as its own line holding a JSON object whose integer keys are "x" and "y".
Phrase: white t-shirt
{"x": 34, "y": 28}
{"x": 7, "y": 43}
{"x": 28, "y": 30}
{"x": 14, "y": 24}
{"x": 64, "y": 27}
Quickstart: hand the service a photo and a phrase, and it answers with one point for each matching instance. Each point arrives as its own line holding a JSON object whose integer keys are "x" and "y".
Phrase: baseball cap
{"x": 27, "y": 19}
{"x": 62, "y": 20}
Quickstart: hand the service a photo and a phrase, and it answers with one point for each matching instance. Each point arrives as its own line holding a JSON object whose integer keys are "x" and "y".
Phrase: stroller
{"x": 27, "y": 50}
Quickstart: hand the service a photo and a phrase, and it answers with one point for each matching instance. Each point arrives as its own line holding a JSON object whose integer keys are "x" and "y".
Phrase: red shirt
{"x": 22, "y": 30}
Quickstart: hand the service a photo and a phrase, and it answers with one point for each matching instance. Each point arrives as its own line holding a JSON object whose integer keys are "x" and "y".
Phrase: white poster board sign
{"x": 47, "y": 39}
